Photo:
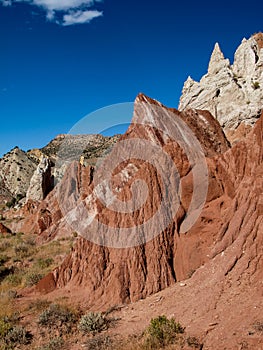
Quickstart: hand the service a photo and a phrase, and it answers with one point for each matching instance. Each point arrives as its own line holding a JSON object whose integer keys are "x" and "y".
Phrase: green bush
{"x": 3, "y": 259}
{"x": 21, "y": 249}
{"x": 5, "y": 327}
{"x": 255, "y": 85}
{"x": 33, "y": 278}
{"x": 93, "y": 322}
{"x": 162, "y": 332}
{"x": 53, "y": 344}
{"x": 101, "y": 342}
{"x": 57, "y": 316}
{"x": 44, "y": 263}
{"x": 12, "y": 336}
{"x": 14, "y": 200}
{"x": 5, "y": 245}
{"x": 14, "y": 279}
{"x": 194, "y": 343}
{"x": 11, "y": 203}
{"x": 18, "y": 335}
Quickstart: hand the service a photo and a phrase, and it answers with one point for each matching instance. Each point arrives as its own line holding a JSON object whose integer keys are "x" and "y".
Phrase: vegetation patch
{"x": 53, "y": 344}
{"x": 12, "y": 335}
{"x": 57, "y": 316}
{"x": 93, "y": 322}
{"x": 162, "y": 332}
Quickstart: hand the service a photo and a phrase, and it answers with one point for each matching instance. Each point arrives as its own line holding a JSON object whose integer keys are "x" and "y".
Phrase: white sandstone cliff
{"x": 232, "y": 93}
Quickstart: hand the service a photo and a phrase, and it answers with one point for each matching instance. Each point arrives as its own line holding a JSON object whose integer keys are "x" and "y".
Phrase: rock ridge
{"x": 232, "y": 93}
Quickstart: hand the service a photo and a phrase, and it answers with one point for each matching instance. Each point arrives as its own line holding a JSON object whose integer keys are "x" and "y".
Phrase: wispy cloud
{"x": 6, "y": 2}
{"x": 71, "y": 11}
{"x": 80, "y": 17}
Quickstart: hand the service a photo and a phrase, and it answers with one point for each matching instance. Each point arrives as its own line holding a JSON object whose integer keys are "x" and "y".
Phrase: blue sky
{"x": 63, "y": 59}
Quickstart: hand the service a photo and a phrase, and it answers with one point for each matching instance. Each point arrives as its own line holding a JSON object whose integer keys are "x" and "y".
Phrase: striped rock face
{"x": 114, "y": 260}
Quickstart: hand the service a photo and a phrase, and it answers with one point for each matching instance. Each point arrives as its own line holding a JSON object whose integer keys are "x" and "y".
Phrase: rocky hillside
{"x": 232, "y": 93}
{"x": 18, "y": 167}
{"x": 73, "y": 146}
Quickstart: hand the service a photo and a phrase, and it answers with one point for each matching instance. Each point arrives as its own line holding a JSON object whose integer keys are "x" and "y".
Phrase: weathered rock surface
{"x": 222, "y": 301}
{"x": 123, "y": 275}
{"x": 41, "y": 182}
{"x": 16, "y": 170}
{"x": 231, "y": 216}
{"x": 232, "y": 93}
{"x": 17, "y": 167}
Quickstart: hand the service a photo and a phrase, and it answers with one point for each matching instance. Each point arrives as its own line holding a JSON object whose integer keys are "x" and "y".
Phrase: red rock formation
{"x": 128, "y": 274}
{"x": 225, "y": 240}
{"x": 4, "y": 230}
{"x": 223, "y": 300}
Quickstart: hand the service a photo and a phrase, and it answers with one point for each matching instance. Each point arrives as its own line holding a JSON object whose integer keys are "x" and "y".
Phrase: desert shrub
{"x": 33, "y": 278}
{"x": 99, "y": 343}
{"x": 14, "y": 279}
{"x": 258, "y": 326}
{"x": 194, "y": 343}
{"x": 12, "y": 335}
{"x": 5, "y": 327}
{"x": 93, "y": 322}
{"x": 18, "y": 335}
{"x": 5, "y": 245}
{"x": 19, "y": 196}
{"x": 30, "y": 241}
{"x": 255, "y": 85}
{"x": 53, "y": 344}
{"x": 161, "y": 332}
{"x": 12, "y": 294}
{"x": 57, "y": 316}
{"x": 39, "y": 304}
{"x": 21, "y": 249}
{"x": 3, "y": 259}
{"x": 14, "y": 200}
{"x": 44, "y": 263}
{"x": 11, "y": 203}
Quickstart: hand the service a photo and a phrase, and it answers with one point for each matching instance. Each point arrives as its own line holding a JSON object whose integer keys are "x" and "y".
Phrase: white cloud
{"x": 62, "y": 5}
{"x": 50, "y": 15}
{"x": 80, "y": 17}
{"x": 6, "y": 2}
{"x": 72, "y": 11}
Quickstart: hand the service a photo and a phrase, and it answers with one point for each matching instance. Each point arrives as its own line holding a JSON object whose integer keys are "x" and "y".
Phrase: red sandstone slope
{"x": 113, "y": 275}
{"x": 223, "y": 298}
{"x": 222, "y": 302}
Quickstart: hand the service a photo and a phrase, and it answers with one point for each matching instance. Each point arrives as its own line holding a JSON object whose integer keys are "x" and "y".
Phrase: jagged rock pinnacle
{"x": 233, "y": 94}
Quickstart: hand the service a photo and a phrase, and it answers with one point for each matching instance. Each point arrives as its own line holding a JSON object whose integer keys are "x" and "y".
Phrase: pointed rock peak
{"x": 217, "y": 60}
{"x": 217, "y": 54}
{"x": 16, "y": 150}
{"x": 143, "y": 98}
{"x": 189, "y": 80}
{"x": 217, "y": 49}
